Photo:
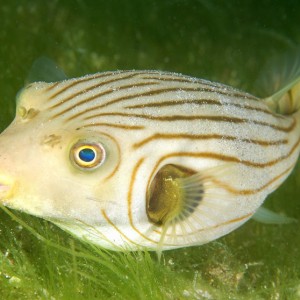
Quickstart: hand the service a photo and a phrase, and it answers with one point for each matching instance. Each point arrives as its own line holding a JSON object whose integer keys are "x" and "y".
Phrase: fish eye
{"x": 87, "y": 155}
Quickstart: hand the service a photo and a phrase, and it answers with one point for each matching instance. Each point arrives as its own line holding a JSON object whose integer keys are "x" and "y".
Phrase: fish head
{"x": 53, "y": 170}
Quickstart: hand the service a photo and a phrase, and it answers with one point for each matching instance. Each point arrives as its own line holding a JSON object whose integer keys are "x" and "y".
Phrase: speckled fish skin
{"x": 144, "y": 120}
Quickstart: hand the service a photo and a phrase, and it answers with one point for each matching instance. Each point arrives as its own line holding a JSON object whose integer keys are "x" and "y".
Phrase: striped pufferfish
{"x": 146, "y": 159}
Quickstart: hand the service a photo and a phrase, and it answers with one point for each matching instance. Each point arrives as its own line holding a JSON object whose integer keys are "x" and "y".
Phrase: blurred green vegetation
{"x": 224, "y": 41}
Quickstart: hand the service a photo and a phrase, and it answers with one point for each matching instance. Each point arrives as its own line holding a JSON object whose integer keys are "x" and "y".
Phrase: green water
{"x": 224, "y": 41}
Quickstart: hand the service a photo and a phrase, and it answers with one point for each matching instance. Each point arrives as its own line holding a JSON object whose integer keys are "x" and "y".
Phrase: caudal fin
{"x": 281, "y": 80}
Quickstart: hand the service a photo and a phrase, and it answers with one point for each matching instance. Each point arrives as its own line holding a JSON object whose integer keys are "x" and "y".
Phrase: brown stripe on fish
{"x": 85, "y": 101}
{"x": 116, "y": 100}
{"x": 115, "y": 74}
{"x": 181, "y": 78}
{"x": 231, "y": 221}
{"x": 77, "y": 81}
{"x": 129, "y": 199}
{"x": 114, "y": 125}
{"x": 216, "y": 87}
{"x": 193, "y": 88}
{"x": 110, "y": 222}
{"x": 178, "y": 78}
{"x": 188, "y": 118}
{"x": 102, "y": 84}
{"x": 175, "y": 77}
{"x": 52, "y": 86}
{"x": 222, "y": 158}
{"x": 201, "y": 102}
{"x": 86, "y": 79}
{"x": 159, "y": 77}
{"x": 80, "y": 80}
{"x": 164, "y": 136}
{"x": 149, "y": 93}
{"x": 119, "y": 155}
{"x": 235, "y": 191}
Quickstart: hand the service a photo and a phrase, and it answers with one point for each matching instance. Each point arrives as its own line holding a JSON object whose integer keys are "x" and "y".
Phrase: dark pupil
{"x": 87, "y": 155}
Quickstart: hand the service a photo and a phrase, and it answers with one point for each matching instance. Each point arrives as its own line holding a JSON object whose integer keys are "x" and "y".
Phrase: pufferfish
{"x": 147, "y": 159}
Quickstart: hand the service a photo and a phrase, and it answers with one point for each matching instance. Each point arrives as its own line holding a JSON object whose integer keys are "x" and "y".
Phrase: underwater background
{"x": 223, "y": 41}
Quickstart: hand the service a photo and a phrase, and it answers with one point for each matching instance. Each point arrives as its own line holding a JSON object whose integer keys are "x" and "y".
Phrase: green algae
{"x": 227, "y": 42}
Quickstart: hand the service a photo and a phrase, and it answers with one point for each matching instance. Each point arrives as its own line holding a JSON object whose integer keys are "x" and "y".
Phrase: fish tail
{"x": 295, "y": 99}
{"x": 287, "y": 100}
{"x": 282, "y": 75}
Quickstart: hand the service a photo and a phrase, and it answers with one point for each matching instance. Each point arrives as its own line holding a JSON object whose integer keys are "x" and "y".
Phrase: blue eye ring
{"x": 87, "y": 155}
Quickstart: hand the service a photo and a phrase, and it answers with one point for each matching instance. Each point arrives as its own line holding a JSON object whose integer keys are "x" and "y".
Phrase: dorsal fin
{"x": 45, "y": 69}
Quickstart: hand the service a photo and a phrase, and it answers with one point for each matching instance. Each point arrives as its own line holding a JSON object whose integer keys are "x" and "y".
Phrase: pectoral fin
{"x": 180, "y": 201}
{"x": 174, "y": 194}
